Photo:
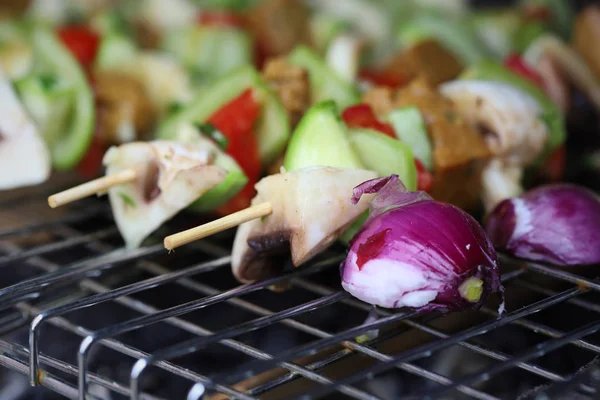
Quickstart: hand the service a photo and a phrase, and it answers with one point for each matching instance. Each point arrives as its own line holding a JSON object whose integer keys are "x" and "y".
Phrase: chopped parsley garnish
{"x": 128, "y": 200}
{"x": 48, "y": 82}
{"x": 214, "y": 134}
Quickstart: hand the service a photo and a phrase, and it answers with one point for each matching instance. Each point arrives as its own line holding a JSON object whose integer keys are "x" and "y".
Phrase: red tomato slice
{"x": 235, "y": 120}
{"x": 362, "y": 116}
{"x": 388, "y": 78}
{"x": 91, "y": 164}
{"x": 221, "y": 18}
{"x": 538, "y": 12}
{"x": 82, "y": 42}
{"x": 515, "y": 63}
{"x": 424, "y": 177}
{"x": 554, "y": 168}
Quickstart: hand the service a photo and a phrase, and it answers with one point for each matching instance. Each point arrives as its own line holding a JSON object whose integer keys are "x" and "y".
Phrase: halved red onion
{"x": 558, "y": 224}
{"x": 419, "y": 253}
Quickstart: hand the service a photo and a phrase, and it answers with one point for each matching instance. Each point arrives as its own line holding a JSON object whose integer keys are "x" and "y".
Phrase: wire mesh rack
{"x": 183, "y": 315}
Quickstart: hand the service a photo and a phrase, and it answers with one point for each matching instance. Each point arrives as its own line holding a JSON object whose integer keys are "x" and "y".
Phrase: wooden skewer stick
{"x": 92, "y": 187}
{"x": 219, "y": 225}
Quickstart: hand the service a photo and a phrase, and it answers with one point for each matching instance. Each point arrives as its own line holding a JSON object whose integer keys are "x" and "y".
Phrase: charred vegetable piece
{"x": 508, "y": 119}
{"x": 428, "y": 59}
{"x": 419, "y": 253}
{"x": 559, "y": 224}
{"x": 124, "y": 113}
{"x": 24, "y": 158}
{"x": 170, "y": 176}
{"x": 311, "y": 209}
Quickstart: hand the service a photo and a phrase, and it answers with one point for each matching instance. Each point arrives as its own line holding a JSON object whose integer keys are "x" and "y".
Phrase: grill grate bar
{"x": 429, "y": 348}
{"x": 71, "y": 370}
{"x": 138, "y": 306}
{"x": 575, "y": 301}
{"x": 130, "y": 351}
{"x": 537, "y": 351}
{"x": 165, "y": 315}
{"x": 141, "y": 307}
{"x": 496, "y": 355}
{"x": 71, "y": 218}
{"x": 208, "y": 291}
{"x": 193, "y": 345}
{"x": 75, "y": 273}
{"x": 102, "y": 297}
{"x": 56, "y": 246}
{"x": 563, "y": 275}
{"x": 546, "y": 331}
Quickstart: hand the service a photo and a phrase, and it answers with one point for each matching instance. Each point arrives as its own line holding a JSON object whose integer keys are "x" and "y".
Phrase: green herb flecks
{"x": 214, "y": 134}
{"x": 128, "y": 200}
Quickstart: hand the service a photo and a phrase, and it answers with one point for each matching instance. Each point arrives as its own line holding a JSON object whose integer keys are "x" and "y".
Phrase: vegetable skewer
{"x": 96, "y": 186}
{"x": 232, "y": 220}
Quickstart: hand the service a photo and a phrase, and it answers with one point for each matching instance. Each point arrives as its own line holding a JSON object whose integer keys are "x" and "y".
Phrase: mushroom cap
{"x": 170, "y": 176}
{"x": 311, "y": 209}
{"x": 24, "y": 157}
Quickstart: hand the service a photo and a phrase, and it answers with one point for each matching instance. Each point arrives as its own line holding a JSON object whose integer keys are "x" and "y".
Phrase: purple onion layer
{"x": 419, "y": 253}
{"x": 558, "y": 224}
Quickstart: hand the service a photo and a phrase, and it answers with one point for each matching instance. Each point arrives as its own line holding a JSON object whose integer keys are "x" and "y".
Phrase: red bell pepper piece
{"x": 554, "y": 168}
{"x": 221, "y": 18}
{"x": 362, "y": 116}
{"x": 82, "y": 42}
{"x": 90, "y": 165}
{"x": 386, "y": 77}
{"x": 537, "y": 12}
{"x": 515, "y": 63}
{"x": 424, "y": 177}
{"x": 236, "y": 120}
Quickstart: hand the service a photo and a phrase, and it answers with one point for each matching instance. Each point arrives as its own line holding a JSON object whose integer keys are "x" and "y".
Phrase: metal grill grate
{"x": 76, "y": 268}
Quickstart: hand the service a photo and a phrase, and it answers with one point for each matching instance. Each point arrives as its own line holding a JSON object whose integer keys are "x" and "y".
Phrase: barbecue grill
{"x": 84, "y": 318}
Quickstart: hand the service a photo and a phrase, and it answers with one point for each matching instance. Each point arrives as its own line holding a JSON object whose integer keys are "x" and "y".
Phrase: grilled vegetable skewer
{"x": 219, "y": 225}
{"x": 96, "y": 186}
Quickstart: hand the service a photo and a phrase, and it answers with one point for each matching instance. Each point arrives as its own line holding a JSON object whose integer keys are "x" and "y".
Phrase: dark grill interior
{"x": 147, "y": 324}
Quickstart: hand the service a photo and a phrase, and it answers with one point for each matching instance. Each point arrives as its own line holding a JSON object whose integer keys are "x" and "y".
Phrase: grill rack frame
{"x": 82, "y": 273}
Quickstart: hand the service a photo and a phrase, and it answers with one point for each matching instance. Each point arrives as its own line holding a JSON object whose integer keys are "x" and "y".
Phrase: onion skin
{"x": 557, "y": 224}
{"x": 419, "y": 253}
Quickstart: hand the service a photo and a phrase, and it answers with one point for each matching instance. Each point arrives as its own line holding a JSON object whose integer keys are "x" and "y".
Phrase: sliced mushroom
{"x": 508, "y": 118}
{"x": 311, "y": 209}
{"x": 555, "y": 85}
{"x": 586, "y": 35}
{"x": 500, "y": 181}
{"x": 170, "y": 176}
{"x": 24, "y": 158}
{"x": 573, "y": 67}
{"x": 343, "y": 56}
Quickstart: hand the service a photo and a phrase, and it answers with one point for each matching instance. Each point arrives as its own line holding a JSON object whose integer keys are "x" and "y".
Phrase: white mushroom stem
{"x": 500, "y": 181}
{"x": 571, "y": 64}
{"x": 343, "y": 56}
{"x": 24, "y": 158}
